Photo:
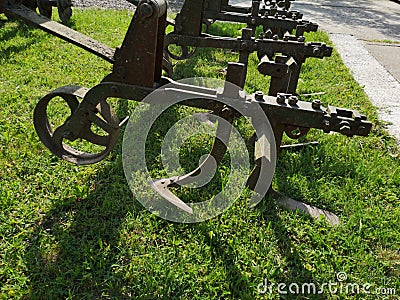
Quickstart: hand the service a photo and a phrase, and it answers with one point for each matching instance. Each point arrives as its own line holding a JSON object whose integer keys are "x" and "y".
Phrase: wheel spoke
{"x": 94, "y": 138}
{"x": 93, "y": 117}
{"x": 54, "y": 141}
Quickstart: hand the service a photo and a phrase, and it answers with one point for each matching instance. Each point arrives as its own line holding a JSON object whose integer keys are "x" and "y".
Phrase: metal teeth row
{"x": 292, "y": 100}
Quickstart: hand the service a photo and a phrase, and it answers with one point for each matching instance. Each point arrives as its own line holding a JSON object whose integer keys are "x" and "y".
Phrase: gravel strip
{"x": 174, "y": 5}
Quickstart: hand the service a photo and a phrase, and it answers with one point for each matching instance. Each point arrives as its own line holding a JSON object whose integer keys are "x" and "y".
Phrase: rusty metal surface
{"x": 140, "y": 52}
{"x": 275, "y": 16}
{"x": 274, "y": 40}
{"x": 53, "y": 138}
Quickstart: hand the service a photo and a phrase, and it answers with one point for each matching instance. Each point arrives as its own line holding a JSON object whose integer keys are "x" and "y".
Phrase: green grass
{"x": 77, "y": 232}
{"x": 385, "y": 41}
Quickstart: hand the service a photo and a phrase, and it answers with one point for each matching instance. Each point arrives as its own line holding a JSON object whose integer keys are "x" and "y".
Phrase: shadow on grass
{"x": 294, "y": 271}
{"x": 78, "y": 263}
{"x": 74, "y": 249}
{"x": 309, "y": 165}
{"x": 26, "y": 37}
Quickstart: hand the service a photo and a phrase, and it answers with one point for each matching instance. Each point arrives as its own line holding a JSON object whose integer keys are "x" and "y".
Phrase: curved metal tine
{"x": 294, "y": 205}
{"x": 161, "y": 186}
{"x": 255, "y": 183}
{"x": 235, "y": 75}
{"x": 264, "y": 161}
{"x": 202, "y": 172}
{"x": 218, "y": 151}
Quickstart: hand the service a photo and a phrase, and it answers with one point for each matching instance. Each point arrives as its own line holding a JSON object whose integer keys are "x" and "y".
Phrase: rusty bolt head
{"x": 281, "y": 99}
{"x": 259, "y": 96}
{"x": 293, "y": 100}
{"x": 345, "y": 128}
{"x": 146, "y": 10}
{"x": 114, "y": 89}
{"x": 316, "y": 104}
{"x": 68, "y": 134}
{"x": 245, "y": 45}
{"x": 326, "y": 126}
{"x": 317, "y": 51}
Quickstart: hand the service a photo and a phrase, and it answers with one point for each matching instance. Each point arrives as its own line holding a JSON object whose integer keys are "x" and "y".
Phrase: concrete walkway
{"x": 367, "y": 35}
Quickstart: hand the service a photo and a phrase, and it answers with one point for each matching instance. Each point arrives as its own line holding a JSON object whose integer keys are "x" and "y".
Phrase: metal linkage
{"x": 272, "y": 9}
{"x": 280, "y": 59}
{"x": 273, "y": 18}
{"x": 204, "y": 10}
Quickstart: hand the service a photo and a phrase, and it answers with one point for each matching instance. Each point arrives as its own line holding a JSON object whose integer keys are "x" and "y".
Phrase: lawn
{"x": 69, "y": 232}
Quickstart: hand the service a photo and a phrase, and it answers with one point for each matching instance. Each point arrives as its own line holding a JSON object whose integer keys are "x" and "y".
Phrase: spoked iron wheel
{"x": 86, "y": 137}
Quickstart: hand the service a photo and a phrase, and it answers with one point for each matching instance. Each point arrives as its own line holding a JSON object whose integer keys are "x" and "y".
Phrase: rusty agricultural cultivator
{"x": 138, "y": 72}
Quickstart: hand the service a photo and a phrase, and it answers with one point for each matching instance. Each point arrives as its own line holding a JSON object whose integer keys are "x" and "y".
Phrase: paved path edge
{"x": 380, "y": 86}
